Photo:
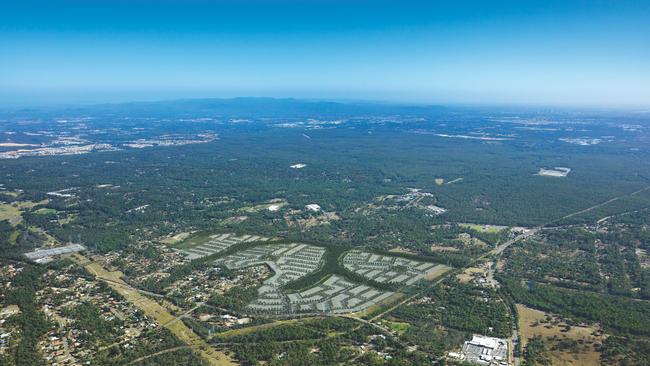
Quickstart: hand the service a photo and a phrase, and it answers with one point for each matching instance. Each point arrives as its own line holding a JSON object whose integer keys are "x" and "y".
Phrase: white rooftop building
{"x": 484, "y": 350}
{"x": 313, "y": 207}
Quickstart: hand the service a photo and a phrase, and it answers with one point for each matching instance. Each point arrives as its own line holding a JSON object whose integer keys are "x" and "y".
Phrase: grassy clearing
{"x": 154, "y": 310}
{"x": 468, "y": 275}
{"x": 440, "y": 270}
{"x": 378, "y": 307}
{"x": 46, "y": 211}
{"x": 398, "y": 327}
{"x": 68, "y": 219}
{"x": 13, "y": 211}
{"x": 492, "y": 229}
{"x": 176, "y": 238}
{"x": 534, "y": 323}
{"x": 13, "y": 237}
{"x": 441, "y": 248}
{"x": 196, "y": 239}
{"x": 10, "y": 212}
{"x": 278, "y": 203}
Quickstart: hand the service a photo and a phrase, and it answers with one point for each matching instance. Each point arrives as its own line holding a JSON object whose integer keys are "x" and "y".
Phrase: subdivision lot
{"x": 205, "y": 245}
{"x": 336, "y": 295}
{"x": 334, "y": 292}
{"x": 288, "y": 262}
{"x": 389, "y": 269}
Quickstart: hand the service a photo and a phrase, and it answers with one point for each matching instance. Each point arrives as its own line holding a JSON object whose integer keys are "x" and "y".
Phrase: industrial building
{"x": 484, "y": 350}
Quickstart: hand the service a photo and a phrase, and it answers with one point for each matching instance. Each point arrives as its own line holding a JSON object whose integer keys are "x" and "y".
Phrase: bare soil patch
{"x": 555, "y": 332}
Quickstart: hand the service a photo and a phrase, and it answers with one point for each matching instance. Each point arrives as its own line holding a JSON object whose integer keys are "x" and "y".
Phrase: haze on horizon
{"x": 585, "y": 53}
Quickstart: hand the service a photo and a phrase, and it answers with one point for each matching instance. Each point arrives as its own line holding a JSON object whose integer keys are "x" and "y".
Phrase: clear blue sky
{"x": 564, "y": 52}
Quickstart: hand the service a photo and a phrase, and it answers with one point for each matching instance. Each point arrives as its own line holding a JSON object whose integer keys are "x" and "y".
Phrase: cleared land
{"x": 469, "y": 274}
{"x": 176, "y": 238}
{"x": 13, "y": 212}
{"x": 389, "y": 269}
{"x": 537, "y": 323}
{"x": 155, "y": 311}
{"x": 205, "y": 244}
{"x": 9, "y": 212}
{"x": 291, "y": 262}
{"x": 493, "y": 229}
{"x": 272, "y": 205}
{"x": 46, "y": 211}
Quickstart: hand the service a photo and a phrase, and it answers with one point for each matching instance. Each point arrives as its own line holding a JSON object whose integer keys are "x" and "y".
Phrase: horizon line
{"x": 348, "y": 101}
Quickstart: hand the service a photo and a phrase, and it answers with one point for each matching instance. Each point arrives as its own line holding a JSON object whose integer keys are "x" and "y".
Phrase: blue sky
{"x": 591, "y": 53}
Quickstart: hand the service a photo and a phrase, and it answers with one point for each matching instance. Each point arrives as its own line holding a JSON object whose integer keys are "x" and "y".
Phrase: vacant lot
{"x": 555, "y": 334}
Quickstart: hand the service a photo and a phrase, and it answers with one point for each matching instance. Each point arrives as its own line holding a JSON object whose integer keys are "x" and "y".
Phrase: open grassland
{"x": 492, "y": 229}
{"x": 46, "y": 211}
{"x": 9, "y": 212}
{"x": 155, "y": 311}
{"x": 13, "y": 211}
{"x": 537, "y": 323}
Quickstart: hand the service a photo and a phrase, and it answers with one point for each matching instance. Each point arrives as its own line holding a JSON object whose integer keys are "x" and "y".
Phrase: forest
{"x": 407, "y": 183}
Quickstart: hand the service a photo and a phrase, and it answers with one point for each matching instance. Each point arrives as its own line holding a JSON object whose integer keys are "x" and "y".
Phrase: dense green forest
{"x": 198, "y": 186}
{"x": 615, "y": 313}
{"x": 462, "y": 307}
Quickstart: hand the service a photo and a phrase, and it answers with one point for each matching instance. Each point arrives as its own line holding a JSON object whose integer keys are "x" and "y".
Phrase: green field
{"x": 9, "y": 212}
{"x": 398, "y": 327}
{"x": 46, "y": 211}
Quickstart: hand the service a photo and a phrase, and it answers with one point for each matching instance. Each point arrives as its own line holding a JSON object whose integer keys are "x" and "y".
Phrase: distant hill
{"x": 249, "y": 108}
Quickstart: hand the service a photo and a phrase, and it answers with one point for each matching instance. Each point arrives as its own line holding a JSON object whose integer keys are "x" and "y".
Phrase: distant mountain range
{"x": 247, "y": 108}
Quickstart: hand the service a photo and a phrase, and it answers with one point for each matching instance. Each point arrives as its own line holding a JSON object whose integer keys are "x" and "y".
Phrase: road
{"x": 601, "y": 204}
{"x": 174, "y": 349}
